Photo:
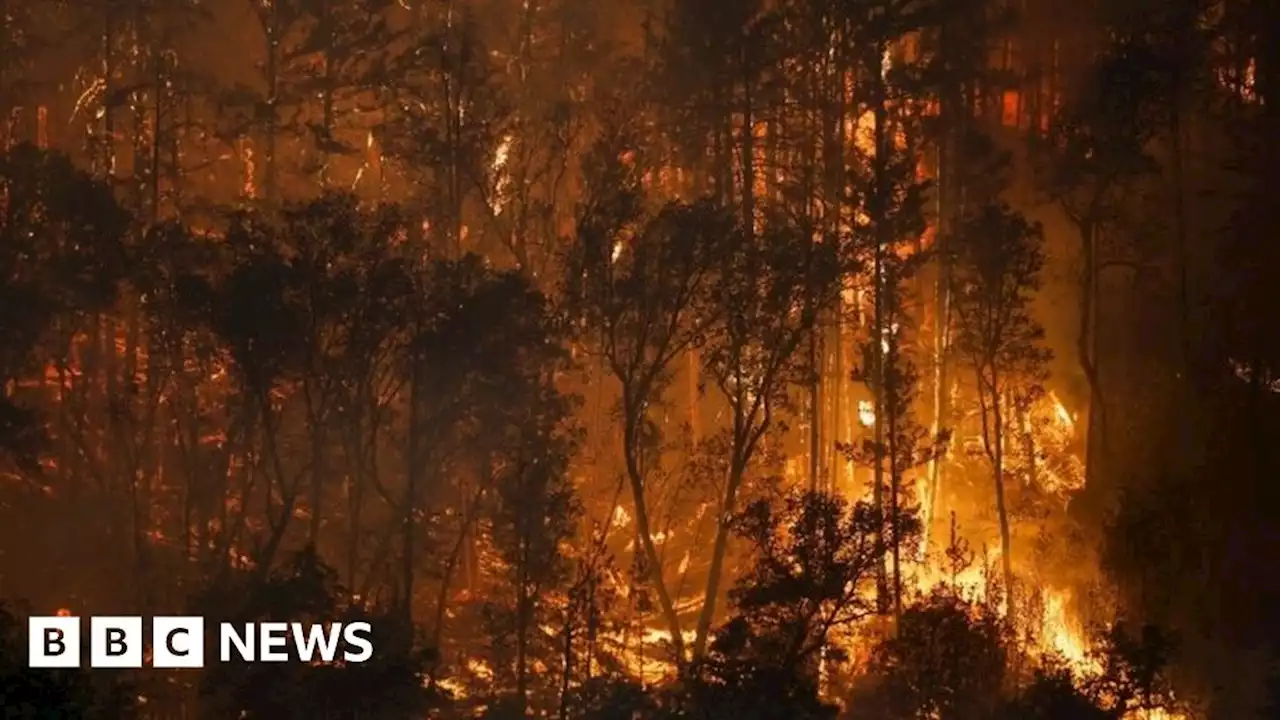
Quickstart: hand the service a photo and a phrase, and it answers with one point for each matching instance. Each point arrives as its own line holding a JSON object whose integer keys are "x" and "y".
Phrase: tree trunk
{"x": 327, "y": 112}
{"x": 815, "y": 413}
{"x": 524, "y": 611}
{"x": 997, "y": 416}
{"x": 695, "y": 372}
{"x": 719, "y": 550}
{"x": 941, "y": 328}
{"x": 878, "y": 211}
{"x": 895, "y": 488}
{"x": 1180, "y": 226}
{"x": 107, "y": 159}
{"x": 413, "y": 461}
{"x": 653, "y": 561}
{"x": 566, "y": 674}
{"x": 1029, "y": 443}
{"x": 837, "y": 393}
{"x": 273, "y": 90}
{"x": 158, "y": 111}
{"x": 738, "y": 467}
{"x": 317, "y": 477}
{"x": 1087, "y": 348}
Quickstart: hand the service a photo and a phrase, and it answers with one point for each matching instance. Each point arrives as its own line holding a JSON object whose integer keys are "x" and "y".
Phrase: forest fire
{"x": 678, "y": 359}
{"x": 1064, "y": 636}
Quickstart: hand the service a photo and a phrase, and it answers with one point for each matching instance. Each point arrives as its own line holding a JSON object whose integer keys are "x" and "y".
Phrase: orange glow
{"x": 926, "y": 240}
{"x": 193, "y": 435}
{"x": 1009, "y": 105}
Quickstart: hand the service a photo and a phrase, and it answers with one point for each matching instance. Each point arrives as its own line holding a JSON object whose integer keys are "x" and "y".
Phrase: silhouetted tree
{"x": 762, "y": 309}
{"x": 392, "y": 683}
{"x": 639, "y": 286}
{"x": 1052, "y": 694}
{"x": 1094, "y": 152}
{"x": 483, "y": 349}
{"x": 998, "y": 261}
{"x": 905, "y": 444}
{"x": 445, "y": 122}
{"x": 61, "y": 256}
{"x": 1134, "y": 670}
{"x": 536, "y": 513}
{"x": 947, "y": 660}
{"x": 815, "y": 559}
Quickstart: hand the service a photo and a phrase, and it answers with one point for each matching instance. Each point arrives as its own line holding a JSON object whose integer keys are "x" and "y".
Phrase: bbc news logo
{"x": 178, "y": 642}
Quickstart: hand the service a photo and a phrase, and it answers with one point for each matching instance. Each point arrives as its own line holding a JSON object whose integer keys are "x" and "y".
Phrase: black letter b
{"x": 53, "y": 638}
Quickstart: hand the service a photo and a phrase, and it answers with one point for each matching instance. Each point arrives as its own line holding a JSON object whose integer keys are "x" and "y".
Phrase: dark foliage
{"x": 392, "y": 683}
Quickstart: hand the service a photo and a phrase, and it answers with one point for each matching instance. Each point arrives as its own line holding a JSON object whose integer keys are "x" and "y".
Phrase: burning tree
{"x": 905, "y": 445}
{"x": 998, "y": 258}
